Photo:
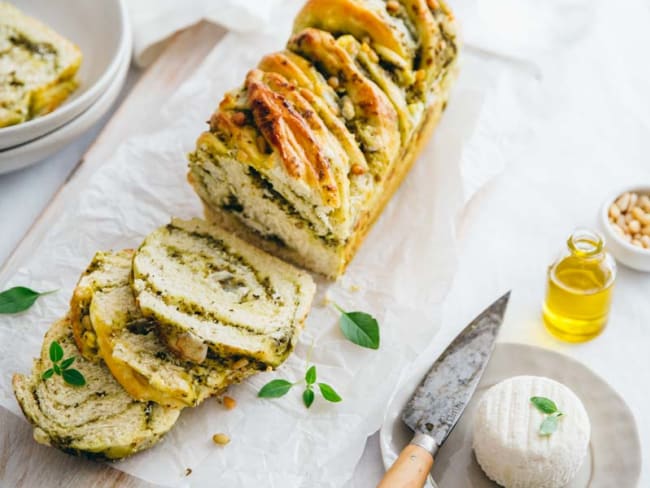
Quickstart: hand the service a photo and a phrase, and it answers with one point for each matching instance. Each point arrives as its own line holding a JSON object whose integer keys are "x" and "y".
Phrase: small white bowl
{"x": 631, "y": 256}
{"x": 101, "y": 31}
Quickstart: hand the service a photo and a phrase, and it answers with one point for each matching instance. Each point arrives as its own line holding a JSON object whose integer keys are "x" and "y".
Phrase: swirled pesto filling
{"x": 208, "y": 290}
{"x": 129, "y": 344}
{"x": 99, "y": 420}
{"x": 37, "y": 67}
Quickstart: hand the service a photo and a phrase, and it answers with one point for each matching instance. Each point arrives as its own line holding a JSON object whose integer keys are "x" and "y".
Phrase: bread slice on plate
{"x": 98, "y": 420}
{"x": 37, "y": 67}
{"x": 137, "y": 358}
{"x": 210, "y": 291}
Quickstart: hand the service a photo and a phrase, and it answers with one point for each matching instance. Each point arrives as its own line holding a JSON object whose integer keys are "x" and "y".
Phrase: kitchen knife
{"x": 443, "y": 394}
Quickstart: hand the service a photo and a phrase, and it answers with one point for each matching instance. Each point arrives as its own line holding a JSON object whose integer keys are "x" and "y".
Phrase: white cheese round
{"x": 507, "y": 440}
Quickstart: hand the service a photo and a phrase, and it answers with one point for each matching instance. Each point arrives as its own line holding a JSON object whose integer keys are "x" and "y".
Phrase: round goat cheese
{"x": 507, "y": 439}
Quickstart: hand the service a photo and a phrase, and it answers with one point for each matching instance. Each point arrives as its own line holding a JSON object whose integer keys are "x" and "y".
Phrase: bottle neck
{"x": 586, "y": 244}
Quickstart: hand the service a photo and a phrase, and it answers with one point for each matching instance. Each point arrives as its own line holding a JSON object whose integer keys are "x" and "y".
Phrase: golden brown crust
{"x": 291, "y": 132}
{"x": 377, "y": 114}
{"x": 408, "y": 157}
{"x": 353, "y": 17}
{"x": 322, "y": 98}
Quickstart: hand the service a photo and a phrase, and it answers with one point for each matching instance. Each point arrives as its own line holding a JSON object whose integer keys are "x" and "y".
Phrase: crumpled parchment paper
{"x": 402, "y": 273}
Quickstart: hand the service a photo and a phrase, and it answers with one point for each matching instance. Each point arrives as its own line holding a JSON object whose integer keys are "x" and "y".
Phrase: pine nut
{"x": 392, "y": 6}
{"x": 623, "y": 201}
{"x": 644, "y": 202}
{"x": 240, "y": 363}
{"x": 614, "y": 211}
{"x": 629, "y": 217}
{"x": 229, "y": 402}
{"x": 221, "y": 439}
{"x": 333, "y": 81}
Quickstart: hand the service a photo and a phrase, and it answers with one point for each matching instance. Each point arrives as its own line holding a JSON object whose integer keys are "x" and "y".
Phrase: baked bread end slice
{"x": 98, "y": 420}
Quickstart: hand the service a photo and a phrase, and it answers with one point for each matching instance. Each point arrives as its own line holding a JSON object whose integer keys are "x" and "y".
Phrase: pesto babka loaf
{"x": 301, "y": 159}
{"x": 37, "y": 67}
{"x": 212, "y": 294}
{"x": 97, "y": 420}
{"x": 137, "y": 358}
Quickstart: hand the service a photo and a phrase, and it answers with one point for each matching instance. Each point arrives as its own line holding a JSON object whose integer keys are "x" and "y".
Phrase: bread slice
{"x": 37, "y": 67}
{"x": 134, "y": 353}
{"x": 98, "y": 420}
{"x": 210, "y": 291}
{"x": 105, "y": 271}
{"x": 301, "y": 159}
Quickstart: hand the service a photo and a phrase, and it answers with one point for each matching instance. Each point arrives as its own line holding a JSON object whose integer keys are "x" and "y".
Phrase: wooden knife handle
{"x": 410, "y": 470}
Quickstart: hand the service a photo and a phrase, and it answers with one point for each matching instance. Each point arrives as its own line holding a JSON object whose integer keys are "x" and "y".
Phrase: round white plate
{"x": 614, "y": 457}
{"x": 101, "y": 31}
{"x": 32, "y": 152}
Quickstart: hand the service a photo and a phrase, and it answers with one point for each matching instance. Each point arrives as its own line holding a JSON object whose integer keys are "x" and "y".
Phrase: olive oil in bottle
{"x": 579, "y": 289}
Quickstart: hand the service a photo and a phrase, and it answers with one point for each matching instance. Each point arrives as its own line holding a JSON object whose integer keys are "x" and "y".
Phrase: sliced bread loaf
{"x": 138, "y": 359}
{"x": 209, "y": 290}
{"x": 98, "y": 420}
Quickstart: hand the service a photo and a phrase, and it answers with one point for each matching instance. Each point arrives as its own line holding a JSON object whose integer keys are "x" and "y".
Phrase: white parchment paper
{"x": 402, "y": 272}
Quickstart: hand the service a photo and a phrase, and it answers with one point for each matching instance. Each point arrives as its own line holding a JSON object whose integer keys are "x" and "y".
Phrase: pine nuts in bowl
{"x": 625, "y": 219}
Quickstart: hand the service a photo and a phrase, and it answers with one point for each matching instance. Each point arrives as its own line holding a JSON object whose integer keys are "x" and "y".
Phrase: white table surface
{"x": 586, "y": 134}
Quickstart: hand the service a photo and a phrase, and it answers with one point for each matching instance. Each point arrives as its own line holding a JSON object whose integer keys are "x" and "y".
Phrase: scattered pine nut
{"x": 221, "y": 439}
{"x": 229, "y": 402}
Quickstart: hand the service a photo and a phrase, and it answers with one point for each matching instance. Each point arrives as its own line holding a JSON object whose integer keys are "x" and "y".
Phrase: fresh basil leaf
{"x": 19, "y": 299}
{"x": 308, "y": 397}
{"x": 328, "y": 393}
{"x": 73, "y": 377}
{"x": 275, "y": 389}
{"x": 310, "y": 375}
{"x": 56, "y": 369}
{"x": 56, "y": 352}
{"x": 549, "y": 425}
{"x": 67, "y": 362}
{"x": 543, "y": 404}
{"x": 47, "y": 374}
{"x": 360, "y": 328}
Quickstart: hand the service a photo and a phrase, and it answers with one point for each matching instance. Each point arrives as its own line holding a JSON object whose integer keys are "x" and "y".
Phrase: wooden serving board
{"x": 23, "y": 462}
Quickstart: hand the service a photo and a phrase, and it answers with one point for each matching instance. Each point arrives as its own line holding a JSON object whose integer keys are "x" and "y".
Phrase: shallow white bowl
{"x": 624, "y": 252}
{"x": 101, "y": 31}
{"x": 34, "y": 151}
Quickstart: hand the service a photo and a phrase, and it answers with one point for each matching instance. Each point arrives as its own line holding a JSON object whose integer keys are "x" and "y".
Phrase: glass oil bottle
{"x": 579, "y": 289}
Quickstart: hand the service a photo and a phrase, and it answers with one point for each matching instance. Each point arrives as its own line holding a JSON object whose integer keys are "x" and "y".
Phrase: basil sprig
{"x": 19, "y": 299}
{"x": 62, "y": 367}
{"x": 279, "y": 388}
{"x": 360, "y": 328}
{"x": 553, "y": 414}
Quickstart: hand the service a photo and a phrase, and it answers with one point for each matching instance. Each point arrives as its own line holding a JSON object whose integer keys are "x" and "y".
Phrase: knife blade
{"x": 439, "y": 401}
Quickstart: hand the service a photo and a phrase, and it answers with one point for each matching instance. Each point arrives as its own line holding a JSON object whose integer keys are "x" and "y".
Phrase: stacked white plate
{"x": 101, "y": 31}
